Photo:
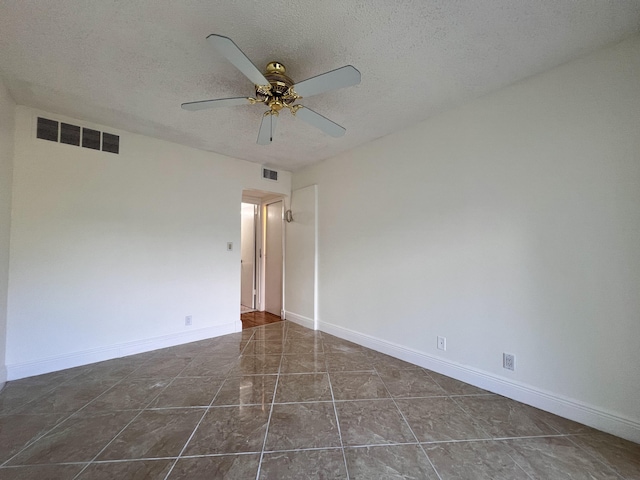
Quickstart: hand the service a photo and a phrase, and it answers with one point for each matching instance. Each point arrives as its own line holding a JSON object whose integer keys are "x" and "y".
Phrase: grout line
{"x": 184, "y": 447}
{"x": 335, "y": 412}
{"x": 412, "y": 432}
{"x": 134, "y": 418}
{"x": 65, "y": 419}
{"x": 590, "y": 454}
{"x": 207, "y": 409}
{"x": 287, "y": 330}
{"x": 273, "y": 399}
{"x": 461, "y": 407}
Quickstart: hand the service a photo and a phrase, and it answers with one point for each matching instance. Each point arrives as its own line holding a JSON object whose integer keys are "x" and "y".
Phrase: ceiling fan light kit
{"x": 277, "y": 91}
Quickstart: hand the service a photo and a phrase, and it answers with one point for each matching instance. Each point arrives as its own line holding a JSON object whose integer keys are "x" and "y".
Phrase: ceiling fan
{"x": 277, "y": 91}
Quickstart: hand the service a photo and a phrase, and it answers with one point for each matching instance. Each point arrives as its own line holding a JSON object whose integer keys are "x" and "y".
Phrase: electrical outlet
{"x": 187, "y": 320}
{"x": 442, "y": 343}
{"x": 509, "y": 361}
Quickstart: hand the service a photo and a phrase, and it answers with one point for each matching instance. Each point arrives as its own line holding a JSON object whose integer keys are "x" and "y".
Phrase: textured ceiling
{"x": 130, "y": 64}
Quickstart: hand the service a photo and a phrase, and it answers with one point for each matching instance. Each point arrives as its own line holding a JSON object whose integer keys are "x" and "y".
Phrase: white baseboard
{"x": 299, "y": 319}
{"x": 3, "y": 376}
{"x": 76, "y": 359}
{"x": 575, "y": 410}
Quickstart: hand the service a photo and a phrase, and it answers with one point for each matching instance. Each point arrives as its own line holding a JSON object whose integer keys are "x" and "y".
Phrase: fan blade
{"x": 232, "y": 53}
{"x": 267, "y": 129}
{"x": 318, "y": 121}
{"x": 220, "y": 102}
{"x": 340, "y": 78}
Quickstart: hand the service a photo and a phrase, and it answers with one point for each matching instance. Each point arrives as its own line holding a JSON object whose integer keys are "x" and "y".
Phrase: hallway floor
{"x": 258, "y": 319}
{"x": 284, "y": 402}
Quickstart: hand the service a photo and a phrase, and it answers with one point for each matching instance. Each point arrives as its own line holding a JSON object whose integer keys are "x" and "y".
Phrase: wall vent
{"x": 268, "y": 174}
{"x": 55, "y": 131}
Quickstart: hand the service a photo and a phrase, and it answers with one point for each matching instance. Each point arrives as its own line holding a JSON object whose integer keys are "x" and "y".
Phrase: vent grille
{"x": 270, "y": 174}
{"x": 91, "y": 138}
{"x": 47, "y": 129}
{"x": 70, "y": 134}
{"x": 55, "y": 131}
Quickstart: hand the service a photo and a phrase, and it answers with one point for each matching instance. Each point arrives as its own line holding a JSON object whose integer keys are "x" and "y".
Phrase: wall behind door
{"x": 301, "y": 257}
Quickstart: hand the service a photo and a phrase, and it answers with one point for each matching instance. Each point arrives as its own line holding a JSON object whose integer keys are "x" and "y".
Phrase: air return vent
{"x": 270, "y": 174}
{"x": 70, "y": 134}
{"x": 47, "y": 129}
{"x": 55, "y": 131}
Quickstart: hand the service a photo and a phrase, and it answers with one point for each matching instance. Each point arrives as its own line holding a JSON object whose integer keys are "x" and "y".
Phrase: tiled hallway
{"x": 279, "y": 402}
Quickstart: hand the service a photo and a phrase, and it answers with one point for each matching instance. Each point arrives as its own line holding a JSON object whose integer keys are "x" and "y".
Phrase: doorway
{"x": 248, "y": 235}
{"x": 261, "y": 258}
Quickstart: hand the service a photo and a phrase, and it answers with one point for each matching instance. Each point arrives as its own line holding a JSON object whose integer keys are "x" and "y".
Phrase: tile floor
{"x": 280, "y": 402}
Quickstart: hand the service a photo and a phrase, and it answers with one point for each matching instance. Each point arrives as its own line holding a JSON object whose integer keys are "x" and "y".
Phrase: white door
{"x": 247, "y": 255}
{"x": 273, "y": 259}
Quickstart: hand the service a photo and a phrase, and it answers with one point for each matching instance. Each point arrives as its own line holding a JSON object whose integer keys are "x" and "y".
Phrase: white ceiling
{"x": 129, "y": 64}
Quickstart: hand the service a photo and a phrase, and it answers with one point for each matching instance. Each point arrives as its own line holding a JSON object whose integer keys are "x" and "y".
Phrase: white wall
{"x": 109, "y": 253}
{"x": 7, "y": 121}
{"x": 511, "y": 224}
{"x": 301, "y": 257}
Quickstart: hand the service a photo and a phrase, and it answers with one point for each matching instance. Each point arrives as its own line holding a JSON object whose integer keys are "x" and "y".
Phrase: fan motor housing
{"x": 280, "y": 85}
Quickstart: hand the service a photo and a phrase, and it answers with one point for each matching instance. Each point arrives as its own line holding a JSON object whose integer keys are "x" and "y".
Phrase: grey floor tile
{"x": 303, "y": 345}
{"x": 247, "y": 390}
{"x": 357, "y": 386}
{"x": 41, "y": 472}
{"x": 302, "y": 425}
{"x": 164, "y": 368}
{"x": 229, "y": 349}
{"x": 277, "y": 335}
{"x": 343, "y": 347}
{"x": 303, "y": 363}
{"x": 303, "y": 387}
{"x": 480, "y": 460}
{"x": 455, "y": 387}
{"x": 557, "y": 458}
{"x": 501, "y": 417}
{"x": 372, "y": 422}
{"x": 563, "y": 425}
{"x": 385, "y": 362}
{"x": 210, "y": 366}
{"x": 257, "y": 365}
{"x": 19, "y": 393}
{"x": 348, "y": 362}
{"x": 409, "y": 383}
{"x": 132, "y": 470}
{"x": 68, "y": 398}
{"x": 393, "y": 462}
{"x": 380, "y": 401}
{"x": 16, "y": 431}
{"x": 230, "y": 430}
{"x": 188, "y": 392}
{"x": 129, "y": 394}
{"x": 439, "y": 419}
{"x": 154, "y": 434}
{"x": 305, "y": 464}
{"x": 112, "y": 371}
{"x": 78, "y": 439}
{"x": 621, "y": 455}
{"x": 260, "y": 347}
{"x": 224, "y": 467}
